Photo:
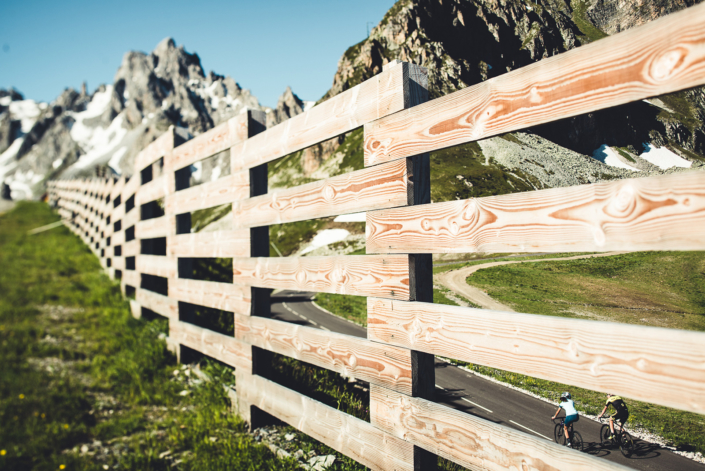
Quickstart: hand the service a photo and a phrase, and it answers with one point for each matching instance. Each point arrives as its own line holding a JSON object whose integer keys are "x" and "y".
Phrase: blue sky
{"x": 265, "y": 45}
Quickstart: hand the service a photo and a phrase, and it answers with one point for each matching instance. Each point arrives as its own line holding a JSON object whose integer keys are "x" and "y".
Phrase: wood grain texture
{"x": 221, "y": 347}
{"x": 663, "y": 56}
{"x": 352, "y": 357}
{"x": 158, "y": 303}
{"x": 344, "y": 433}
{"x": 656, "y": 213}
{"x": 118, "y": 238}
{"x": 131, "y": 218}
{"x": 211, "y": 142}
{"x": 156, "y": 265}
{"x": 131, "y": 187}
{"x": 154, "y": 151}
{"x": 222, "y": 191}
{"x": 359, "y": 275}
{"x": 661, "y": 366}
{"x": 131, "y": 278}
{"x": 379, "y": 96}
{"x": 381, "y": 187}
{"x": 470, "y": 441}
{"x": 152, "y": 191}
{"x": 210, "y": 244}
{"x": 224, "y": 296}
{"x": 131, "y": 248}
{"x": 155, "y": 227}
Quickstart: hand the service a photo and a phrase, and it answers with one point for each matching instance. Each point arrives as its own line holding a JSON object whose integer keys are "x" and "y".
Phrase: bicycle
{"x": 621, "y": 438}
{"x": 576, "y": 440}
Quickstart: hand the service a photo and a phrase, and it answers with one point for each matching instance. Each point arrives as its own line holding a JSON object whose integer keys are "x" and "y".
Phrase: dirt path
{"x": 454, "y": 280}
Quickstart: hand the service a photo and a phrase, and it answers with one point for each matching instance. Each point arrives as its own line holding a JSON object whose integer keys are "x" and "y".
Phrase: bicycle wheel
{"x": 576, "y": 442}
{"x": 605, "y": 435}
{"x": 558, "y": 434}
{"x": 626, "y": 444}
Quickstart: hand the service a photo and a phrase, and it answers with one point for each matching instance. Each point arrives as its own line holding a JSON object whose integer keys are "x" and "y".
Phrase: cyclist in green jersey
{"x": 621, "y": 412}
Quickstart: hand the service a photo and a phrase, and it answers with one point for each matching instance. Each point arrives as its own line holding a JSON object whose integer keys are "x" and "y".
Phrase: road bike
{"x": 576, "y": 440}
{"x": 621, "y": 438}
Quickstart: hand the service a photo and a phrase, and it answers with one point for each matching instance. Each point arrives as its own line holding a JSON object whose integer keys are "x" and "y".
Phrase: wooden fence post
{"x": 423, "y": 372}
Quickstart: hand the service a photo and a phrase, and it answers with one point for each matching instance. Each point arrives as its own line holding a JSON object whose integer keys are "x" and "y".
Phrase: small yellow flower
{"x": 21, "y": 396}
{"x": 62, "y": 466}
{"x": 3, "y": 452}
{"x": 43, "y": 415}
{"x": 36, "y": 414}
{"x": 66, "y": 426}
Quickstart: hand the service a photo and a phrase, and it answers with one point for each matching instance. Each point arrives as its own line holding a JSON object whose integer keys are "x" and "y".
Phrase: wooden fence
{"x": 149, "y": 246}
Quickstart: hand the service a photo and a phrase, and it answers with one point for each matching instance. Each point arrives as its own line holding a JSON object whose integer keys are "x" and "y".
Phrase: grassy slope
{"x": 650, "y": 288}
{"x": 76, "y": 367}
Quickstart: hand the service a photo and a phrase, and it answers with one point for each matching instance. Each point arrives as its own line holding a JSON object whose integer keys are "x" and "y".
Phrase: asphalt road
{"x": 491, "y": 401}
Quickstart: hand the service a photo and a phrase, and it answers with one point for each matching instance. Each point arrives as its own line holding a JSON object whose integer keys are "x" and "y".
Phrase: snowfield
{"x": 326, "y": 237}
{"x": 663, "y": 158}
{"x": 607, "y": 156}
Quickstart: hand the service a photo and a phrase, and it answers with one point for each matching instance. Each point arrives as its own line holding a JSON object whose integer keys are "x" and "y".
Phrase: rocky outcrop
{"x": 79, "y": 133}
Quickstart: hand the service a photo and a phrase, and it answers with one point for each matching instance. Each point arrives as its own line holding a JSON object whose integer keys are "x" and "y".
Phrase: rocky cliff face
{"x": 78, "y": 133}
{"x": 464, "y": 42}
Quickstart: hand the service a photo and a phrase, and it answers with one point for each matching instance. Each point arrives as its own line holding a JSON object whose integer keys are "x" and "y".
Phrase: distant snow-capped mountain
{"x": 78, "y": 132}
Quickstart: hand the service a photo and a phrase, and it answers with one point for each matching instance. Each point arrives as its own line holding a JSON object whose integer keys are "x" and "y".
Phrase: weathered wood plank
{"x": 154, "y": 151}
{"x": 210, "y": 244}
{"x": 224, "y": 296}
{"x": 131, "y": 278}
{"x": 381, "y": 187}
{"x": 661, "y": 366}
{"x": 118, "y": 238}
{"x": 131, "y": 248}
{"x": 131, "y": 187}
{"x": 657, "y": 213}
{"x": 660, "y": 57}
{"x": 222, "y": 191}
{"x": 215, "y": 140}
{"x": 372, "y": 99}
{"x": 352, "y": 357}
{"x": 118, "y": 262}
{"x": 152, "y": 191}
{"x": 158, "y": 303}
{"x": 221, "y": 347}
{"x": 156, "y": 265}
{"x": 344, "y": 433}
{"x": 155, "y": 227}
{"x": 131, "y": 218}
{"x": 359, "y": 275}
{"x": 472, "y": 442}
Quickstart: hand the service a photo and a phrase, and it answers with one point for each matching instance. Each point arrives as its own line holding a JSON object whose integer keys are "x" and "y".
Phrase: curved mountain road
{"x": 473, "y": 394}
{"x": 454, "y": 280}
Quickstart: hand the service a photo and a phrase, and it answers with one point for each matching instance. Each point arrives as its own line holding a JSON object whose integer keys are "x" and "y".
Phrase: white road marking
{"x": 442, "y": 389}
{"x": 294, "y": 312}
{"x": 325, "y": 328}
{"x": 474, "y": 404}
{"x": 533, "y": 431}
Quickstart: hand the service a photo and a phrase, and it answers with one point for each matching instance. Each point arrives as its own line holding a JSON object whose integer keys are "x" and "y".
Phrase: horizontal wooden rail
{"x": 353, "y": 437}
{"x": 151, "y": 228}
{"x": 207, "y": 195}
{"x": 224, "y": 296}
{"x": 157, "y": 149}
{"x": 216, "y": 140}
{"x": 661, "y": 57}
{"x": 359, "y": 275}
{"x": 221, "y": 347}
{"x": 352, "y": 357}
{"x": 158, "y": 303}
{"x": 381, "y": 187}
{"x": 662, "y": 366}
{"x": 382, "y": 95}
{"x": 152, "y": 191}
{"x": 156, "y": 265}
{"x": 234, "y": 243}
{"x": 657, "y": 213}
{"x": 471, "y": 441}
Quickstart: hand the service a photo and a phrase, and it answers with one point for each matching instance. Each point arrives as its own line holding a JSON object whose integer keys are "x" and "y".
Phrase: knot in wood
{"x": 665, "y": 66}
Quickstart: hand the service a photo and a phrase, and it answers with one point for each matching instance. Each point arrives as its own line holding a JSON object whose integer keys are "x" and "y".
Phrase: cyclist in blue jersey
{"x": 571, "y": 415}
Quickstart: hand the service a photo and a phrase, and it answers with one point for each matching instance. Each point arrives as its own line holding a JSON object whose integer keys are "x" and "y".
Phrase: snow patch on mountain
{"x": 663, "y": 158}
{"x": 326, "y": 237}
{"x": 608, "y": 156}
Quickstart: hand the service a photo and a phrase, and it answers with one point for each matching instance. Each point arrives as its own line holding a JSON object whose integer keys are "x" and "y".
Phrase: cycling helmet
{"x": 565, "y": 395}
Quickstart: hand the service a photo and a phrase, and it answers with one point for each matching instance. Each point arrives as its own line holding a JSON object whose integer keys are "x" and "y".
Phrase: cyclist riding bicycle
{"x": 621, "y": 412}
{"x": 571, "y": 415}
